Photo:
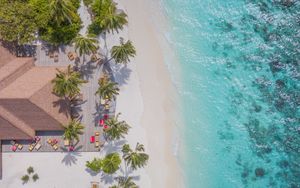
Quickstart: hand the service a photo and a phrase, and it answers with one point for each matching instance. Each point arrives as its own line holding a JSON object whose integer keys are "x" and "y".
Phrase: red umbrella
{"x": 101, "y": 122}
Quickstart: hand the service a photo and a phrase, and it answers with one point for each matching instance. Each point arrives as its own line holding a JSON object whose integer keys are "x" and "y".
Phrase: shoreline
{"x": 158, "y": 98}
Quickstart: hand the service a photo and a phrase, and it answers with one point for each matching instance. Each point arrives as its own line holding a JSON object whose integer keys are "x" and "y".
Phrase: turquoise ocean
{"x": 240, "y": 91}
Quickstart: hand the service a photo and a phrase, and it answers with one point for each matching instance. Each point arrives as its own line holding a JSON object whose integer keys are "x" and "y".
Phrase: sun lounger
{"x": 55, "y": 147}
{"x": 13, "y": 148}
{"x": 49, "y": 141}
{"x": 20, "y": 146}
{"x": 97, "y": 133}
{"x": 31, "y": 147}
{"x": 56, "y": 57}
{"x": 66, "y": 142}
{"x": 106, "y": 107}
{"x": 97, "y": 143}
{"x": 102, "y": 101}
{"x": 101, "y": 122}
{"x": 92, "y": 139}
{"x": 38, "y": 146}
{"x": 95, "y": 184}
{"x": 71, "y": 56}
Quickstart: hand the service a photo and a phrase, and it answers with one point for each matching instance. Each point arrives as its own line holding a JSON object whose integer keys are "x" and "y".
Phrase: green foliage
{"x": 73, "y": 130}
{"x": 67, "y": 83}
{"x": 18, "y": 21}
{"x": 106, "y": 17}
{"x": 111, "y": 163}
{"x": 116, "y": 129}
{"x": 56, "y": 21}
{"x": 95, "y": 165}
{"x": 25, "y": 178}
{"x": 122, "y": 53}
{"x": 60, "y": 34}
{"x": 135, "y": 158}
{"x": 86, "y": 45}
{"x": 35, "y": 177}
{"x": 30, "y": 170}
{"x": 125, "y": 182}
{"x": 107, "y": 89}
{"x": 88, "y": 3}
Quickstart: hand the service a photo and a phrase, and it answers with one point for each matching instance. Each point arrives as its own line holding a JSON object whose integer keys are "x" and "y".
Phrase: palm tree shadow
{"x": 71, "y": 158}
{"x": 107, "y": 178}
{"x": 122, "y": 74}
{"x": 114, "y": 147}
{"x": 87, "y": 70}
{"x": 64, "y": 106}
{"x": 92, "y": 173}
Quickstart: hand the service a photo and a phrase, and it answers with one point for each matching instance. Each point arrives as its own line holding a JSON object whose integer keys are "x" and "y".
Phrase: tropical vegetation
{"x": 67, "y": 83}
{"x": 73, "y": 130}
{"x": 109, "y": 164}
{"x": 107, "y": 89}
{"x": 123, "y": 52}
{"x": 54, "y": 21}
{"x": 106, "y": 17}
{"x": 125, "y": 182}
{"x": 86, "y": 44}
{"x": 94, "y": 165}
{"x": 135, "y": 158}
{"x": 116, "y": 129}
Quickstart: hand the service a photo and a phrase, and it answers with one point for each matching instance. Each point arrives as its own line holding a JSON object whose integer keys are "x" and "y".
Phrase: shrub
{"x": 25, "y": 178}
{"x": 95, "y": 165}
{"x": 35, "y": 177}
{"x": 30, "y": 170}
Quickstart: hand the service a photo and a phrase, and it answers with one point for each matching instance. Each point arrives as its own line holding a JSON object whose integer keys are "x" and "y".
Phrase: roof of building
{"x": 27, "y": 103}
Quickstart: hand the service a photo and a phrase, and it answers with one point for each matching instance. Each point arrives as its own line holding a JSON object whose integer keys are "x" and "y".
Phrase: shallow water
{"x": 240, "y": 63}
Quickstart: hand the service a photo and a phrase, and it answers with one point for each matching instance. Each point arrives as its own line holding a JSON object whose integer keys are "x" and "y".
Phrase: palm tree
{"x": 113, "y": 21}
{"x": 137, "y": 158}
{"x": 116, "y": 129}
{"x": 111, "y": 163}
{"x": 73, "y": 130}
{"x": 86, "y": 45}
{"x": 67, "y": 83}
{"x": 122, "y": 53}
{"x": 125, "y": 182}
{"x": 62, "y": 10}
{"x": 107, "y": 89}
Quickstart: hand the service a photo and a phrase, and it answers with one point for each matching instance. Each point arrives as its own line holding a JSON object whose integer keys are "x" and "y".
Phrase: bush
{"x": 35, "y": 177}
{"x": 30, "y": 170}
{"x": 95, "y": 165}
{"x": 25, "y": 178}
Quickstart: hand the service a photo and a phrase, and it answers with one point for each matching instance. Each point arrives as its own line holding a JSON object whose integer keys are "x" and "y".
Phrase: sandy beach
{"x": 146, "y": 103}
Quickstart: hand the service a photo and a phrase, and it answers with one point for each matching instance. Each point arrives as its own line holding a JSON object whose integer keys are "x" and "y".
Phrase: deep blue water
{"x": 240, "y": 63}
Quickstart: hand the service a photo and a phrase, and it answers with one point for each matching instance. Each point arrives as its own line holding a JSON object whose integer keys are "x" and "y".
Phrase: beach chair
{"x": 20, "y": 146}
{"x": 37, "y": 146}
{"x": 55, "y": 57}
{"x": 106, "y": 107}
{"x": 102, "y": 101}
{"x": 71, "y": 56}
{"x": 66, "y": 142}
{"x": 55, "y": 147}
{"x": 95, "y": 184}
{"x": 97, "y": 144}
{"x": 31, "y": 147}
{"x": 92, "y": 139}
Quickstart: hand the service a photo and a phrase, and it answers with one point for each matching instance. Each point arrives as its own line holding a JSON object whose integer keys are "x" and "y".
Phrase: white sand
{"x": 145, "y": 101}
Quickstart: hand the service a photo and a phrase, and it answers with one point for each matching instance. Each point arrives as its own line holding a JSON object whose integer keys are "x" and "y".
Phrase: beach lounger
{"x": 97, "y": 133}
{"x": 56, "y": 57}
{"x": 20, "y": 146}
{"x": 92, "y": 139}
{"x": 106, "y": 107}
{"x": 31, "y": 147}
{"x": 55, "y": 147}
{"x": 66, "y": 142}
{"x": 95, "y": 184}
{"x": 37, "y": 146}
{"x": 13, "y": 148}
{"x": 71, "y": 56}
{"x": 97, "y": 144}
